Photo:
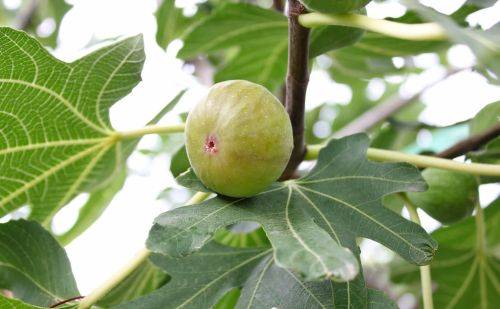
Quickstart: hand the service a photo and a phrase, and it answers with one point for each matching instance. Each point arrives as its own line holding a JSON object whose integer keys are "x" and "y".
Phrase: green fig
{"x": 238, "y": 139}
{"x": 451, "y": 196}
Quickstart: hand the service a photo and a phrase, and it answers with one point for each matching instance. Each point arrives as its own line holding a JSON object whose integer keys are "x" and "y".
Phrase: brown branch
{"x": 296, "y": 83}
{"x": 471, "y": 143}
{"x": 27, "y": 16}
{"x": 382, "y": 111}
{"x": 65, "y": 301}
{"x": 278, "y": 5}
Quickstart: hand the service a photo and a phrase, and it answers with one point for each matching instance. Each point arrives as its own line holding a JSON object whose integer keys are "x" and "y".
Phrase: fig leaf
{"x": 57, "y": 140}
{"x": 33, "y": 265}
{"x": 311, "y": 221}
{"x": 216, "y": 270}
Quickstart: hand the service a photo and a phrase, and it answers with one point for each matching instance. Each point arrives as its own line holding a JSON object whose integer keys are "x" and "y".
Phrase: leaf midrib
{"x": 60, "y": 98}
{"x": 51, "y": 171}
{"x": 31, "y": 279}
{"x": 298, "y": 238}
{"x": 224, "y": 274}
{"x": 366, "y": 216}
{"x": 50, "y": 144}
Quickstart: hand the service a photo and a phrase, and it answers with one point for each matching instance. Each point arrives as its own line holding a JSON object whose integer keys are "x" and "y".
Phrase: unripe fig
{"x": 238, "y": 139}
{"x": 451, "y": 196}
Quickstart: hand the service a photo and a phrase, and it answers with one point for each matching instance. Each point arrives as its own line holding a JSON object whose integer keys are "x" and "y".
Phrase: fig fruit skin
{"x": 238, "y": 139}
{"x": 451, "y": 196}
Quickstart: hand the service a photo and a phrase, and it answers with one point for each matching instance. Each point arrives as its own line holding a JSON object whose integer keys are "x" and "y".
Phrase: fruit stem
{"x": 425, "y": 271}
{"x": 152, "y": 129}
{"x": 135, "y": 262}
{"x": 414, "y": 32}
{"x": 419, "y": 161}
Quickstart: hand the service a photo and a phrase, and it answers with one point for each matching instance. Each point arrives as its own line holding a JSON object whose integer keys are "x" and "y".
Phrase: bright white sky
{"x": 123, "y": 228}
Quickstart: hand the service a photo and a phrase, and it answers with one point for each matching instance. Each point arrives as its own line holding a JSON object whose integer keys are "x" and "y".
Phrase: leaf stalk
{"x": 413, "y": 32}
{"x": 151, "y": 129}
{"x": 135, "y": 262}
{"x": 419, "y": 161}
{"x": 425, "y": 271}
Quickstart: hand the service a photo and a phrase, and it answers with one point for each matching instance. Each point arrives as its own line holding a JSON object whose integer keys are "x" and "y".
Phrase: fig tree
{"x": 238, "y": 138}
{"x": 451, "y": 196}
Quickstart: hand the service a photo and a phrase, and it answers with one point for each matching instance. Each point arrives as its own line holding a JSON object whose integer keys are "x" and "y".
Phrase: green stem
{"x": 107, "y": 286}
{"x": 136, "y": 261}
{"x": 419, "y": 161}
{"x": 425, "y": 271}
{"x": 480, "y": 230}
{"x": 414, "y": 32}
{"x": 481, "y": 250}
{"x": 153, "y": 129}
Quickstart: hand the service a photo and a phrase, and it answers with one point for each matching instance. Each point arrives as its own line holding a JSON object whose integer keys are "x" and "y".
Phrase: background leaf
{"x": 96, "y": 204}
{"x": 179, "y": 162}
{"x": 324, "y": 39}
{"x": 57, "y": 139}
{"x": 485, "y": 119}
{"x": 484, "y": 44}
{"x": 466, "y": 276}
{"x": 199, "y": 280}
{"x": 259, "y": 41}
{"x": 15, "y": 304}
{"x": 33, "y": 265}
{"x": 337, "y": 6}
{"x": 143, "y": 280}
{"x": 214, "y": 270}
{"x": 172, "y": 23}
{"x": 259, "y": 35}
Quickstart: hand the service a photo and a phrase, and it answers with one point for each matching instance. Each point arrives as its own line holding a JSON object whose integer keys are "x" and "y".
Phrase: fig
{"x": 238, "y": 138}
{"x": 451, "y": 196}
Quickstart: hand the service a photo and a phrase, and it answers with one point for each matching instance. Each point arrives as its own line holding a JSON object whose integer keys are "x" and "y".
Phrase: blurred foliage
{"x": 41, "y": 18}
{"x": 466, "y": 267}
{"x": 485, "y": 119}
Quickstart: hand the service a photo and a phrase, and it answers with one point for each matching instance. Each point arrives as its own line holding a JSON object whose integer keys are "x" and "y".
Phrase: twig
{"x": 471, "y": 143}
{"x": 278, "y": 5}
{"x": 382, "y": 111}
{"x": 296, "y": 83}
{"x": 27, "y": 16}
{"x": 65, "y": 301}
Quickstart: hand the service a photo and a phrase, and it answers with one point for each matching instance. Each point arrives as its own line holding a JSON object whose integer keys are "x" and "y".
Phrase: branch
{"x": 27, "y": 16}
{"x": 278, "y": 5}
{"x": 383, "y": 111}
{"x": 414, "y": 32}
{"x": 471, "y": 143}
{"x": 296, "y": 83}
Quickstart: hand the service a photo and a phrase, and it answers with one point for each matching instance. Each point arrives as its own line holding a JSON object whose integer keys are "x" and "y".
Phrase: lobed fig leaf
{"x": 238, "y": 139}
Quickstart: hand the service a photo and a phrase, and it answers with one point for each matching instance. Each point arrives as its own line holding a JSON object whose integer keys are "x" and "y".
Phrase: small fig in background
{"x": 238, "y": 139}
{"x": 451, "y": 196}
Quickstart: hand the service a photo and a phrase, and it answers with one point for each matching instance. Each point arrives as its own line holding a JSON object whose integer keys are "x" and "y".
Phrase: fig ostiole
{"x": 451, "y": 196}
{"x": 238, "y": 138}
